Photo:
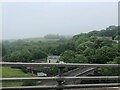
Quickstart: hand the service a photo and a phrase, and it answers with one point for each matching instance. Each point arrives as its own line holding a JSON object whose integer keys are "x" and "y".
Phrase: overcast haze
{"x": 28, "y": 20}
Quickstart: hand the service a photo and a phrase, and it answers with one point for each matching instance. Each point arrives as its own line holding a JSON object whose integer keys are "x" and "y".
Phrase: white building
{"x": 117, "y": 41}
{"x": 41, "y": 74}
{"x": 52, "y": 59}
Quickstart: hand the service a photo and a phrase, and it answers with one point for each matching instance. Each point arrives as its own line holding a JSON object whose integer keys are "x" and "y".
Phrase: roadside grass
{"x": 8, "y": 72}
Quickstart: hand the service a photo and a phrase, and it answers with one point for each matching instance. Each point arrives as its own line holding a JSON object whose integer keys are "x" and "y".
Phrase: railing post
{"x": 60, "y": 81}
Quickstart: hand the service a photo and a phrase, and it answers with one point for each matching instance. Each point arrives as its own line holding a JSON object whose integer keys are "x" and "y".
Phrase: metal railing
{"x": 60, "y": 78}
{"x": 56, "y": 64}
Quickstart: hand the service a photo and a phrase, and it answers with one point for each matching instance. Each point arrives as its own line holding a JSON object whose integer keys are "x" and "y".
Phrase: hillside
{"x": 111, "y": 31}
{"x": 92, "y": 42}
{"x": 92, "y": 47}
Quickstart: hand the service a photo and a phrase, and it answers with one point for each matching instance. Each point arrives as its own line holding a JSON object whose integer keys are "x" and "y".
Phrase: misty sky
{"x": 36, "y": 19}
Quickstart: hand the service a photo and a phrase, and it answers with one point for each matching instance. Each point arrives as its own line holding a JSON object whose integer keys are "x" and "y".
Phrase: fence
{"x": 60, "y": 78}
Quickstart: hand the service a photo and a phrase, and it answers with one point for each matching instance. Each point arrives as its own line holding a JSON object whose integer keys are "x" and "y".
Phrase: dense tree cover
{"x": 101, "y": 50}
{"x": 25, "y": 55}
{"x": 111, "y": 31}
{"x": 91, "y": 47}
{"x": 26, "y": 51}
{"x": 94, "y": 47}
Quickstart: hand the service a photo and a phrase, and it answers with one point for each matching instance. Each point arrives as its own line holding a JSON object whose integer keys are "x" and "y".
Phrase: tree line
{"x": 91, "y": 47}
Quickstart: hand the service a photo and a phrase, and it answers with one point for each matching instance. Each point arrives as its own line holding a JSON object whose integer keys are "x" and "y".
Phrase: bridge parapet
{"x": 60, "y": 78}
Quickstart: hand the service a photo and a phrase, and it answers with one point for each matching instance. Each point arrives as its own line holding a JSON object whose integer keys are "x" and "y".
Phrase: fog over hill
{"x": 28, "y": 20}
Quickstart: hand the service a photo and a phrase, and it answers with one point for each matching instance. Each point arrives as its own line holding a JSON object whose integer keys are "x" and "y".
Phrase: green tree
{"x": 88, "y": 51}
{"x": 100, "y": 42}
{"x": 79, "y": 58}
{"x": 117, "y": 60}
{"x": 105, "y": 54}
{"x": 89, "y": 54}
{"x": 36, "y": 53}
{"x": 80, "y": 48}
{"x": 67, "y": 56}
{"x": 19, "y": 56}
{"x": 93, "y": 38}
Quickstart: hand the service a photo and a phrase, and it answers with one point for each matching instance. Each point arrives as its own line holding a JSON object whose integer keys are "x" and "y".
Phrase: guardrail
{"x": 60, "y": 79}
{"x": 56, "y": 64}
{"x": 61, "y": 87}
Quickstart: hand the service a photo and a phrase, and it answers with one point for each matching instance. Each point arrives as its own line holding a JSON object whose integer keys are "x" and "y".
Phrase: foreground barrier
{"x": 60, "y": 79}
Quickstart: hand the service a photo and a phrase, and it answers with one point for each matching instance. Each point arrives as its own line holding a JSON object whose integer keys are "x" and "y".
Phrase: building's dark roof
{"x": 53, "y": 57}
